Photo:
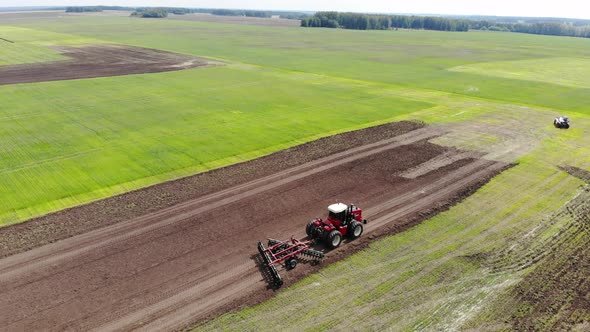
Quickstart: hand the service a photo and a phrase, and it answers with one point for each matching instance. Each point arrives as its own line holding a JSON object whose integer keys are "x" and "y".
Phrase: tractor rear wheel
{"x": 310, "y": 229}
{"x": 334, "y": 238}
{"x": 355, "y": 229}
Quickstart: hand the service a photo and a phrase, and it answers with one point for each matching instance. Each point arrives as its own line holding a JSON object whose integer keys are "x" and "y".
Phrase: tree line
{"x": 84, "y": 9}
{"x": 237, "y": 12}
{"x": 552, "y": 28}
{"x": 255, "y": 13}
{"x": 359, "y": 21}
{"x": 158, "y": 12}
{"x": 81, "y": 9}
{"x": 549, "y": 26}
{"x": 150, "y": 13}
{"x": 383, "y": 22}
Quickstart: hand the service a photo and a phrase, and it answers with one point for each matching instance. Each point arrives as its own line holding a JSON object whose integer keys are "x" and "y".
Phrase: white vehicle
{"x": 562, "y": 122}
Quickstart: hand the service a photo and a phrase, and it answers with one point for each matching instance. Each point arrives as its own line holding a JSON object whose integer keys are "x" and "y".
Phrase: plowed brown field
{"x": 99, "y": 61}
{"x": 191, "y": 252}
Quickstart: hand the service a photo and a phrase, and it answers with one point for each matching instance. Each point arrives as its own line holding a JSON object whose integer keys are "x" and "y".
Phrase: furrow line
{"x": 432, "y": 187}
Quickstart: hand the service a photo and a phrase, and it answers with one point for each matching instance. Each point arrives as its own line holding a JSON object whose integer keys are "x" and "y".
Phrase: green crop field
{"x": 31, "y": 46}
{"x": 70, "y": 142}
{"x": 571, "y": 72}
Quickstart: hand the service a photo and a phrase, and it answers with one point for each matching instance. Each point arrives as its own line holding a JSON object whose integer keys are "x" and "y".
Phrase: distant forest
{"x": 150, "y": 13}
{"x": 383, "y": 22}
{"x": 358, "y": 21}
{"x": 544, "y": 26}
{"x": 553, "y": 27}
{"x": 159, "y": 12}
{"x": 81, "y": 9}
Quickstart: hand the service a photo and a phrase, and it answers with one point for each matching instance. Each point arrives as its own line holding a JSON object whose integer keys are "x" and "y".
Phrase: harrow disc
{"x": 274, "y": 274}
{"x": 318, "y": 255}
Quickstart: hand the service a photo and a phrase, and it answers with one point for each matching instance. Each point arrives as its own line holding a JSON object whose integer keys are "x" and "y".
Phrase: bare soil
{"x": 580, "y": 173}
{"x": 99, "y": 61}
{"x": 181, "y": 252}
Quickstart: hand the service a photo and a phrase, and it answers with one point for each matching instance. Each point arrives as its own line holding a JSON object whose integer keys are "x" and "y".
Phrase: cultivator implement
{"x": 285, "y": 251}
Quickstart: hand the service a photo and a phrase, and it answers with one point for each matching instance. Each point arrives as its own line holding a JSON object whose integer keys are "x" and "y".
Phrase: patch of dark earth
{"x": 580, "y": 173}
{"x": 100, "y": 61}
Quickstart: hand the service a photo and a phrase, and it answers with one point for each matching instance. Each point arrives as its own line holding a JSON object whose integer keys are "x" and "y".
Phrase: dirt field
{"x": 163, "y": 257}
{"x": 99, "y": 61}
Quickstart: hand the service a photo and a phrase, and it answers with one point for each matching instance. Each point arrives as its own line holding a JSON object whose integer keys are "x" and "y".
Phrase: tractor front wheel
{"x": 334, "y": 239}
{"x": 355, "y": 229}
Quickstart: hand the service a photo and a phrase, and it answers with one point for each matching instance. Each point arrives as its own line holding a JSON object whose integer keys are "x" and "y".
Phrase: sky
{"x": 531, "y": 8}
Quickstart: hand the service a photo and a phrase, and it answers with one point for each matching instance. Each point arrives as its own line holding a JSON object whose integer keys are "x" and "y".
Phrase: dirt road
{"x": 186, "y": 262}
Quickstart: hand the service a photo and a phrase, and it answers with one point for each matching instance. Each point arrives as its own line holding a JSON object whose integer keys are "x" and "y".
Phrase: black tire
{"x": 310, "y": 228}
{"x": 355, "y": 230}
{"x": 291, "y": 263}
{"x": 566, "y": 126}
{"x": 334, "y": 239}
{"x": 278, "y": 283}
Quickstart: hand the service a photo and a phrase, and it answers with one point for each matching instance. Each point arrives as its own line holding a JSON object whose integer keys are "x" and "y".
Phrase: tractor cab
{"x": 337, "y": 214}
{"x": 340, "y": 214}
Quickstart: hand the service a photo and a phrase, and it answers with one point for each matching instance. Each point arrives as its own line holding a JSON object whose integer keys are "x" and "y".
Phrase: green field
{"x": 66, "y": 143}
{"x": 32, "y": 46}
{"x": 571, "y": 72}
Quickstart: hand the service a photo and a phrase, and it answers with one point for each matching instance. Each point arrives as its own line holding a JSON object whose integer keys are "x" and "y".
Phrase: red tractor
{"x": 343, "y": 220}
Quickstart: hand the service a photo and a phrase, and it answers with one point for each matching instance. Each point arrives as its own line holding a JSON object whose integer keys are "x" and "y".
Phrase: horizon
{"x": 502, "y": 8}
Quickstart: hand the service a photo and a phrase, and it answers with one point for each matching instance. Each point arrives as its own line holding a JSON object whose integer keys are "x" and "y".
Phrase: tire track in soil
{"x": 556, "y": 291}
{"x": 180, "y": 297}
{"x": 436, "y": 186}
{"x": 530, "y": 249}
{"x": 438, "y": 162}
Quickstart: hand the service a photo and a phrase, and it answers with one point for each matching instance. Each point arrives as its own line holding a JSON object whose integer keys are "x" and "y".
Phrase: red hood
{"x": 330, "y": 221}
